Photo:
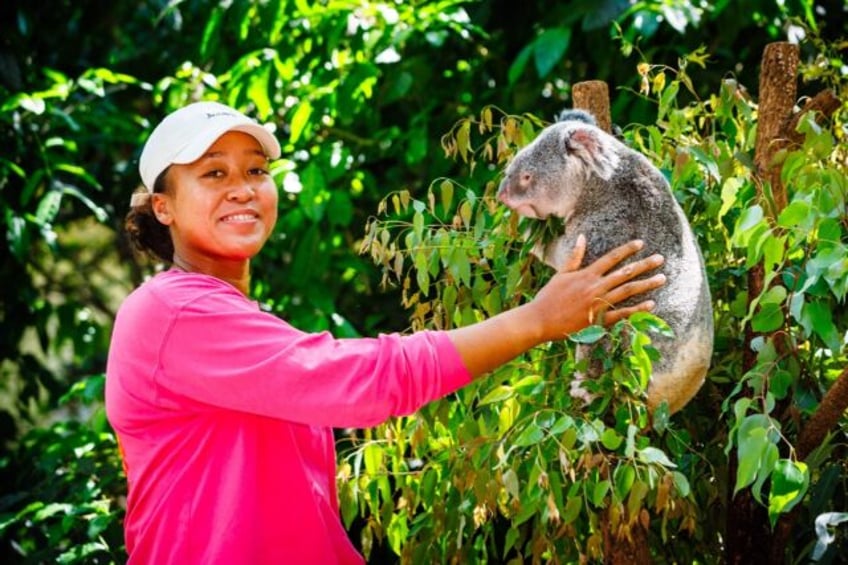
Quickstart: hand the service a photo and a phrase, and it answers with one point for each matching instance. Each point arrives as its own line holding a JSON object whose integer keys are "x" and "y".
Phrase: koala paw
{"x": 577, "y": 391}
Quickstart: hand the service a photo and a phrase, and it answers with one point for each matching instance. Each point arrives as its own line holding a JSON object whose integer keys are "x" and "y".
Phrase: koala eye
{"x": 526, "y": 177}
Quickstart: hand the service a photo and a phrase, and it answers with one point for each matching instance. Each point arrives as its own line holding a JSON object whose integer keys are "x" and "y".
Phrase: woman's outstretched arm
{"x": 573, "y": 299}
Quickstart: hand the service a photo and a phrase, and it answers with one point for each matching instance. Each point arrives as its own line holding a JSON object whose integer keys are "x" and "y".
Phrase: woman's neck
{"x": 235, "y": 273}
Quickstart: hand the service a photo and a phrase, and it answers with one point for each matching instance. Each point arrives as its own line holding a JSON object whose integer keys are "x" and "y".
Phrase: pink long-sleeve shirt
{"x": 224, "y": 416}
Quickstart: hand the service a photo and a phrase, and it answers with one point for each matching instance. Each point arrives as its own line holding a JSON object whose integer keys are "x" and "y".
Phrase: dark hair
{"x": 145, "y": 231}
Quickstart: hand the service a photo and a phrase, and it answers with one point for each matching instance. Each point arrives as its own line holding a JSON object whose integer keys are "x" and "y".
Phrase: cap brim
{"x": 201, "y": 143}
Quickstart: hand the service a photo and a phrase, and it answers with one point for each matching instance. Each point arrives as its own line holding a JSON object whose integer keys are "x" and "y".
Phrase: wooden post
{"x": 593, "y": 96}
{"x": 778, "y": 94}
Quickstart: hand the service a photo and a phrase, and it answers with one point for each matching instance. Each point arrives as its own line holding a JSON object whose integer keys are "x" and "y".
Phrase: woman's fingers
{"x": 612, "y": 258}
{"x": 633, "y": 270}
{"x": 623, "y": 292}
{"x": 620, "y": 286}
{"x": 612, "y": 316}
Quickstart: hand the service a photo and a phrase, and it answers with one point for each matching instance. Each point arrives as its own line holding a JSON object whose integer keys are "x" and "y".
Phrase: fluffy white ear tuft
{"x": 595, "y": 148}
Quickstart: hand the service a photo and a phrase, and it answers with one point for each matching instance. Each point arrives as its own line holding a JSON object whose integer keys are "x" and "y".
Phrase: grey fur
{"x": 613, "y": 194}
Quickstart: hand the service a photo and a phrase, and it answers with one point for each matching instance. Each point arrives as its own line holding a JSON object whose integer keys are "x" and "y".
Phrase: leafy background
{"x": 385, "y": 111}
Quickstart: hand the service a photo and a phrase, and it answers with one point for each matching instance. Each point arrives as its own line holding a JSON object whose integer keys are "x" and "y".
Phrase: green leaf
{"x": 681, "y": 483}
{"x": 768, "y": 319}
{"x": 623, "y": 477}
{"x": 817, "y": 317}
{"x": 530, "y": 435}
{"x": 779, "y": 383}
{"x": 729, "y": 190}
{"x": 48, "y": 207}
{"x": 564, "y": 423}
{"x": 549, "y": 49}
{"x": 572, "y": 509}
{"x": 611, "y": 439}
{"x": 655, "y": 455}
{"x": 99, "y": 212}
{"x": 516, "y": 69}
{"x": 512, "y": 536}
{"x": 767, "y": 461}
{"x": 590, "y": 334}
{"x": 750, "y": 218}
{"x": 752, "y": 448}
{"x": 373, "y": 457}
{"x": 599, "y": 492}
{"x": 422, "y": 276}
{"x": 498, "y": 394}
{"x": 259, "y": 88}
{"x": 209, "y": 40}
{"x": 446, "y": 192}
{"x": 50, "y": 510}
{"x": 427, "y": 486}
{"x": 299, "y": 120}
{"x": 651, "y": 323}
{"x": 789, "y": 483}
{"x": 667, "y": 98}
{"x": 528, "y": 381}
{"x": 795, "y": 214}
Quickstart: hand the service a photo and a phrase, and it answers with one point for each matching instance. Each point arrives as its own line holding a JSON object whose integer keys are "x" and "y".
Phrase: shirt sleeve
{"x": 222, "y": 351}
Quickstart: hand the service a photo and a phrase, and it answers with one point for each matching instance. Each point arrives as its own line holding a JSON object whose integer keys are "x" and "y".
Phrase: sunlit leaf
{"x": 789, "y": 482}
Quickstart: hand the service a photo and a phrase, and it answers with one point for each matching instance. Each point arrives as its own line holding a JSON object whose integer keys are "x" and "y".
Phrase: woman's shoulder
{"x": 178, "y": 289}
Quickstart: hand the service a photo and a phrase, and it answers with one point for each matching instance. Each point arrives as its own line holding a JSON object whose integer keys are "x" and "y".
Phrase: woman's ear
{"x": 161, "y": 208}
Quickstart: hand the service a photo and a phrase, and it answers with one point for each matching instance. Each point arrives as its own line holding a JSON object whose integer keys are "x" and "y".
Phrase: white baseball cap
{"x": 184, "y": 135}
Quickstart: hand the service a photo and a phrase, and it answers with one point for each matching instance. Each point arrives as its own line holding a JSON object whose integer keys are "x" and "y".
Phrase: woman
{"x": 224, "y": 413}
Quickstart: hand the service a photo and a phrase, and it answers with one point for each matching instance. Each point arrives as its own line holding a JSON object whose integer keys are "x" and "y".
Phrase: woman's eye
{"x": 214, "y": 173}
{"x": 258, "y": 171}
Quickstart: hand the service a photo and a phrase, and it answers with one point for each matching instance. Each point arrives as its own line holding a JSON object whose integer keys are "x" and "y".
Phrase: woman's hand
{"x": 573, "y": 299}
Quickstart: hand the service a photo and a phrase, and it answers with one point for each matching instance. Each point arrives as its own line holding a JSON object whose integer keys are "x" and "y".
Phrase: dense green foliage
{"x": 362, "y": 94}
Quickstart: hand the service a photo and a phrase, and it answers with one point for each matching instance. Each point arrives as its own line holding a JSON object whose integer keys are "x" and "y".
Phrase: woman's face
{"x": 221, "y": 208}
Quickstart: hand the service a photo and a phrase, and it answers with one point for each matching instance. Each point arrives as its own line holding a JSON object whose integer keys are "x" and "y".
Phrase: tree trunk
{"x": 778, "y": 92}
{"x": 747, "y": 533}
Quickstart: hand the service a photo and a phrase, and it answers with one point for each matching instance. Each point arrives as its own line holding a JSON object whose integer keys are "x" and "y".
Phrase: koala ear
{"x": 594, "y": 147}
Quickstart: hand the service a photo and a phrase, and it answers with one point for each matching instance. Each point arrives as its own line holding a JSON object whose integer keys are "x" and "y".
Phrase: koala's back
{"x": 637, "y": 203}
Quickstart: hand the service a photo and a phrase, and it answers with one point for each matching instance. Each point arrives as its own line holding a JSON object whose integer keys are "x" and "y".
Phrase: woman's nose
{"x": 241, "y": 193}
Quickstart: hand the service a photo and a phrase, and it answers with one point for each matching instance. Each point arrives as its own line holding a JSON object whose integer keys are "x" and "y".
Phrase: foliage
{"x": 360, "y": 93}
{"x": 72, "y": 492}
{"x": 513, "y": 469}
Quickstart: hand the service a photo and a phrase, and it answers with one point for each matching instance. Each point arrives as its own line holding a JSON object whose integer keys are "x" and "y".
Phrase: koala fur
{"x": 613, "y": 194}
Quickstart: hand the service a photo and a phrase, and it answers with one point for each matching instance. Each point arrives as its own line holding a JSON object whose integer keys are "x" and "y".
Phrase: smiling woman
{"x": 224, "y": 413}
{"x": 227, "y": 203}
{"x": 224, "y": 210}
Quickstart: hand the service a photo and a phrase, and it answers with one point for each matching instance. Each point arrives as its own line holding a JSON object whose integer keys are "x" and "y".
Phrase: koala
{"x": 612, "y": 194}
